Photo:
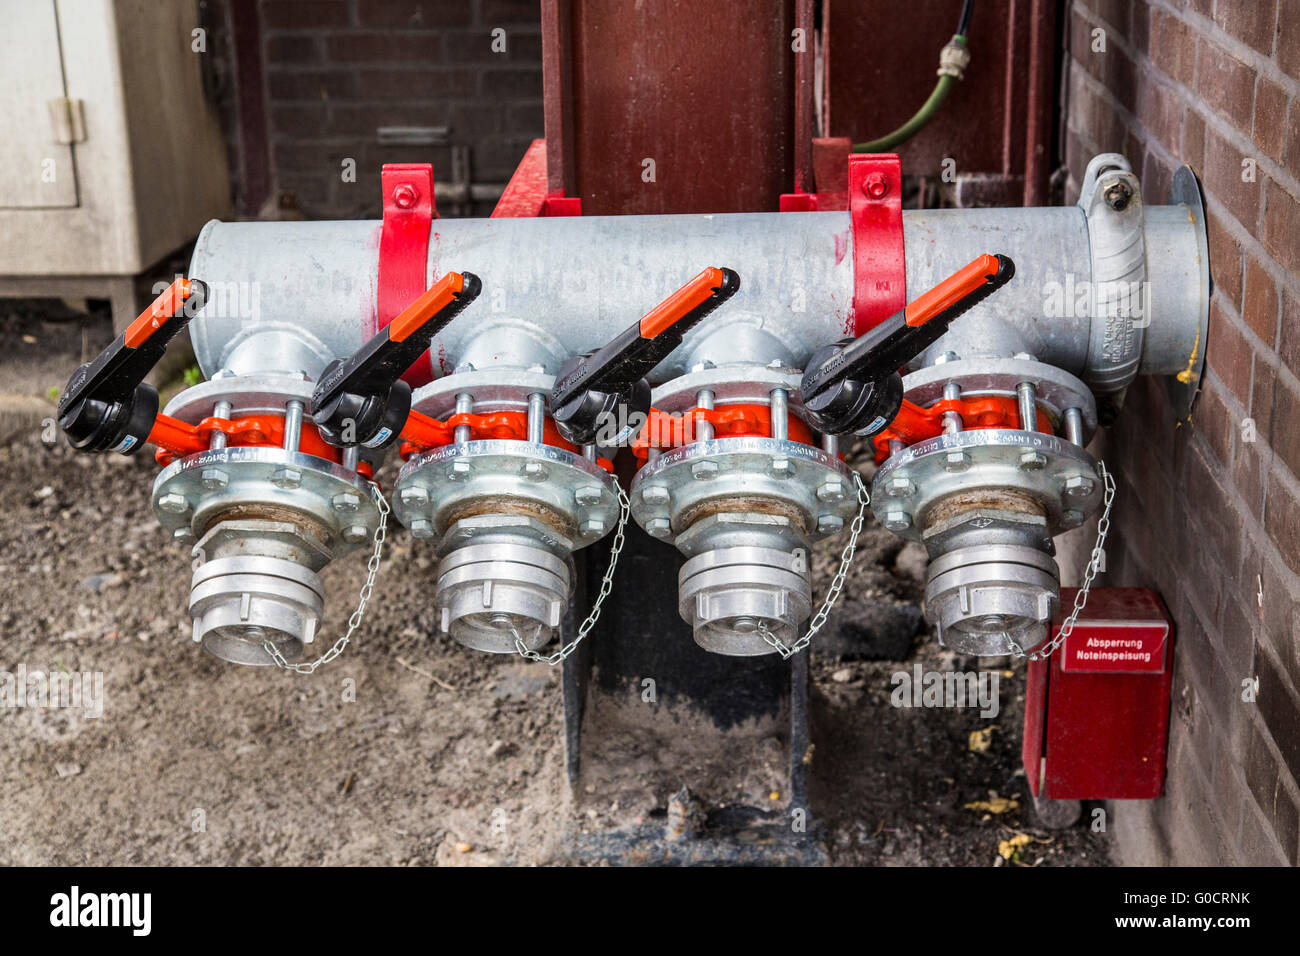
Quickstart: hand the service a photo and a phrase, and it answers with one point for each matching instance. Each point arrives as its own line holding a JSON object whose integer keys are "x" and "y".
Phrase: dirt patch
{"x": 409, "y": 749}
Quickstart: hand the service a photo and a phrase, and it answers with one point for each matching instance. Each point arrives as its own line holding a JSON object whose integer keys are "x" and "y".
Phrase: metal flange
{"x": 1058, "y": 474}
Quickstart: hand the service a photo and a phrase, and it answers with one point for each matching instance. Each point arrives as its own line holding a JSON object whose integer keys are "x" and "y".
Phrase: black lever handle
{"x": 593, "y": 389}
{"x": 361, "y": 400}
{"x": 106, "y": 404}
{"x": 854, "y": 386}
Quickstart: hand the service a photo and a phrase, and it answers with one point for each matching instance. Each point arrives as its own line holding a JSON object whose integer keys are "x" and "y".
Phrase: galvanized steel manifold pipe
{"x": 303, "y": 293}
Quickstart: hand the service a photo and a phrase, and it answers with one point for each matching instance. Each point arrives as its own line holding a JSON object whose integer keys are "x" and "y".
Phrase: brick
{"x": 1288, "y": 36}
{"x": 1225, "y": 167}
{"x": 1281, "y": 226}
{"x": 385, "y": 48}
{"x": 300, "y": 120}
{"x": 1159, "y": 110}
{"x": 293, "y": 49}
{"x": 1256, "y": 843}
{"x": 1157, "y": 175}
{"x": 303, "y": 14}
{"x": 1225, "y": 83}
{"x": 362, "y": 121}
{"x": 1263, "y": 402}
{"x": 1248, "y": 475}
{"x": 1236, "y": 635}
{"x": 505, "y": 12}
{"x": 1282, "y": 521}
{"x": 1270, "y": 125}
{"x": 1260, "y": 302}
{"x": 1212, "y": 419}
{"x": 1228, "y": 354}
{"x": 1264, "y": 778}
{"x": 1251, "y": 23}
{"x": 309, "y": 85}
{"x": 1193, "y": 141}
{"x": 512, "y": 83}
{"x": 1121, "y": 78}
{"x": 1217, "y": 530}
{"x": 1172, "y": 46}
{"x": 1289, "y": 344}
{"x": 1285, "y": 408}
{"x": 523, "y": 45}
{"x": 415, "y": 14}
{"x": 1280, "y": 709}
{"x": 406, "y": 84}
{"x": 1225, "y": 260}
{"x": 1280, "y": 613}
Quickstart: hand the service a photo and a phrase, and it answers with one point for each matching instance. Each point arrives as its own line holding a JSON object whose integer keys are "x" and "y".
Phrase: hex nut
{"x": 421, "y": 528}
{"x": 897, "y": 520}
{"x": 831, "y": 490}
{"x": 354, "y": 533}
{"x": 658, "y": 527}
{"x": 414, "y": 496}
{"x": 655, "y": 495}
{"x": 1077, "y": 486}
{"x": 593, "y": 526}
{"x": 829, "y": 524}
{"x": 956, "y": 461}
{"x": 459, "y": 469}
{"x": 348, "y": 502}
{"x": 1033, "y": 460}
{"x": 587, "y": 495}
{"x": 214, "y": 478}
{"x": 286, "y": 477}
{"x": 704, "y": 469}
{"x": 900, "y": 488}
{"x": 535, "y": 471}
{"x": 782, "y": 467}
{"x": 173, "y": 504}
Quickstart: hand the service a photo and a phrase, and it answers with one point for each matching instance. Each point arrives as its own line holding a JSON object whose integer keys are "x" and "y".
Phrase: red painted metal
{"x": 1092, "y": 730}
{"x": 876, "y": 221}
{"x": 409, "y": 212}
{"x": 527, "y": 194}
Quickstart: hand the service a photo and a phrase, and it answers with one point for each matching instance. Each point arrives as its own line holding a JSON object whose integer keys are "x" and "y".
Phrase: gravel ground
{"x": 444, "y": 756}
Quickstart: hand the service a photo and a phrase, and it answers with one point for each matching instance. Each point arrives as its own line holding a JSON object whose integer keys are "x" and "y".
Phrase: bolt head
{"x": 655, "y": 495}
{"x": 421, "y": 528}
{"x": 593, "y": 526}
{"x": 831, "y": 490}
{"x": 956, "y": 461}
{"x": 704, "y": 469}
{"x": 946, "y": 357}
{"x": 900, "y": 488}
{"x": 287, "y": 477}
{"x": 1117, "y": 196}
{"x": 348, "y": 503}
{"x": 658, "y": 527}
{"x": 588, "y": 495}
{"x": 414, "y": 497}
{"x": 1072, "y": 518}
{"x": 183, "y": 534}
{"x": 1033, "y": 460}
{"x": 459, "y": 469}
{"x": 173, "y": 504}
{"x": 214, "y": 478}
{"x": 829, "y": 524}
{"x": 535, "y": 471}
{"x": 405, "y": 196}
{"x": 782, "y": 467}
{"x": 897, "y": 520}
{"x": 1077, "y": 486}
{"x": 355, "y": 533}
{"x": 875, "y": 186}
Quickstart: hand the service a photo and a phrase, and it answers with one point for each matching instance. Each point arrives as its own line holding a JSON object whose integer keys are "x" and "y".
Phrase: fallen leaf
{"x": 1008, "y": 848}
{"x": 994, "y": 804}
{"x": 981, "y": 739}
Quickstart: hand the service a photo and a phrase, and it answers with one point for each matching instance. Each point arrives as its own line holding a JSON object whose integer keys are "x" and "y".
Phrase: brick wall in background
{"x": 337, "y": 70}
{"x": 1209, "y": 511}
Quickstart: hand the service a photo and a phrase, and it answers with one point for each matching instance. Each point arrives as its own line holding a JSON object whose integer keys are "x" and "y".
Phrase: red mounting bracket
{"x": 876, "y": 222}
{"x": 409, "y": 211}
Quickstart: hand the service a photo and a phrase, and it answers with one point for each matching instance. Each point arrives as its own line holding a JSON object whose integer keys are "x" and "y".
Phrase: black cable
{"x": 964, "y": 24}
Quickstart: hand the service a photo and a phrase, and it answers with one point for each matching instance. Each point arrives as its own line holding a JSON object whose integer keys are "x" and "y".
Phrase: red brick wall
{"x": 336, "y": 70}
{"x": 1209, "y": 512}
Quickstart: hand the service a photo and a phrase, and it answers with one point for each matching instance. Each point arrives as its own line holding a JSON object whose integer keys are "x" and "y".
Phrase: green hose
{"x": 909, "y": 129}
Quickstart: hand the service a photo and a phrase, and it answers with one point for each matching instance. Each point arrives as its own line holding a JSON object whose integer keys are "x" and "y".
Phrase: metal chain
{"x": 606, "y": 585}
{"x": 354, "y": 622}
{"x": 1091, "y": 572}
{"x": 837, "y": 583}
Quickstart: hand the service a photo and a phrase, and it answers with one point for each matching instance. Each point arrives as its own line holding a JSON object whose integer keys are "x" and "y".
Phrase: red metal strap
{"x": 526, "y": 195}
{"x": 409, "y": 212}
{"x": 876, "y": 220}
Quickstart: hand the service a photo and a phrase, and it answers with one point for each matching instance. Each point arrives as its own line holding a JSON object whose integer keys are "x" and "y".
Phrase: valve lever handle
{"x": 106, "y": 404}
{"x": 854, "y": 386}
{"x": 592, "y": 389}
{"x": 361, "y": 400}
